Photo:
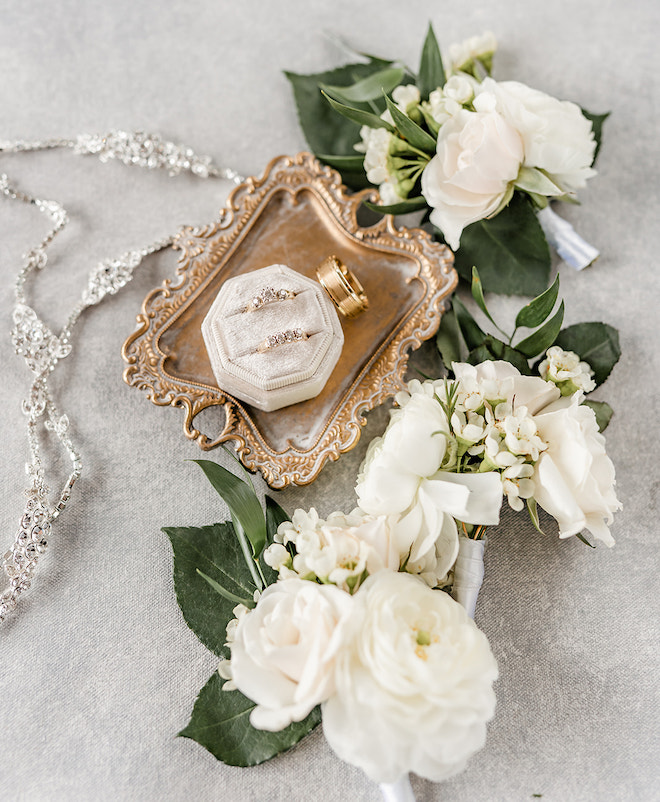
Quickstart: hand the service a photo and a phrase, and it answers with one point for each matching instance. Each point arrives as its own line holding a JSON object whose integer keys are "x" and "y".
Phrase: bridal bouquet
{"x": 350, "y": 619}
{"x": 481, "y": 157}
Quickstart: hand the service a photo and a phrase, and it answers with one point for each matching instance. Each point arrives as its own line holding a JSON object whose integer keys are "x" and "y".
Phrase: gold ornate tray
{"x": 296, "y": 214}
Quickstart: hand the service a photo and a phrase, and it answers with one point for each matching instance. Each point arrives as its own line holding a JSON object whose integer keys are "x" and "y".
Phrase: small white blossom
{"x": 406, "y": 96}
{"x": 481, "y": 47}
{"x": 517, "y": 484}
{"x": 565, "y": 369}
{"x": 459, "y": 88}
{"x": 276, "y": 556}
{"x": 442, "y": 108}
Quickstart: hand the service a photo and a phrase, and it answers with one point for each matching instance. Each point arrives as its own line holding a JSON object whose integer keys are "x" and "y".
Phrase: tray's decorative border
{"x": 204, "y": 248}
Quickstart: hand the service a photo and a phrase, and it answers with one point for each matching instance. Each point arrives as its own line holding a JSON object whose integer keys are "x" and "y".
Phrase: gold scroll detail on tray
{"x": 296, "y": 214}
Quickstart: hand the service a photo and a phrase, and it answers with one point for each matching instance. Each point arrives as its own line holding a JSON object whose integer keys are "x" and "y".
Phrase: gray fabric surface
{"x": 98, "y": 670}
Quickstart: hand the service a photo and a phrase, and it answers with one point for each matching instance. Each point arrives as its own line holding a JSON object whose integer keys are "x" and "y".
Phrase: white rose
{"x": 283, "y": 651}
{"x": 557, "y": 137}
{"x": 574, "y": 477}
{"x": 413, "y": 683}
{"x": 478, "y": 156}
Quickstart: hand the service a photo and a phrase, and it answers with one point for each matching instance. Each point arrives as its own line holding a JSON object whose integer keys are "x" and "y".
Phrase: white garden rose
{"x": 478, "y": 157}
{"x": 413, "y": 683}
{"x": 557, "y": 137}
{"x": 283, "y": 651}
{"x": 574, "y": 477}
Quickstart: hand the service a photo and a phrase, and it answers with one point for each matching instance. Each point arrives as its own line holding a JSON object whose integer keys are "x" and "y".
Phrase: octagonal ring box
{"x": 288, "y": 373}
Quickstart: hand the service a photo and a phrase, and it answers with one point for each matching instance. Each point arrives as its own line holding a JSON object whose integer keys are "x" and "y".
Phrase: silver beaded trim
{"x": 42, "y": 349}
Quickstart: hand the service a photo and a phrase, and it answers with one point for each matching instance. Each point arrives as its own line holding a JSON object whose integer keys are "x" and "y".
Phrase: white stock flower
{"x": 405, "y": 96}
{"x": 478, "y": 156}
{"x": 479, "y": 47}
{"x": 574, "y": 477}
{"x": 442, "y": 108}
{"x": 460, "y": 88}
{"x": 413, "y": 683}
{"x": 517, "y": 484}
{"x": 557, "y": 137}
{"x": 340, "y": 549}
{"x": 565, "y": 369}
{"x": 375, "y": 146}
{"x": 284, "y": 650}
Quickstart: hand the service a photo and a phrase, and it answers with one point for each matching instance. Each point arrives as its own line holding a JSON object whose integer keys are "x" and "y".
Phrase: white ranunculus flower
{"x": 565, "y": 369}
{"x": 413, "y": 683}
{"x": 557, "y": 137}
{"x": 478, "y": 156}
{"x": 574, "y": 477}
{"x": 283, "y": 651}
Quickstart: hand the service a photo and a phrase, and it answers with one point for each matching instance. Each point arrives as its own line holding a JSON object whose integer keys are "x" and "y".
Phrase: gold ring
{"x": 281, "y": 338}
{"x": 342, "y": 286}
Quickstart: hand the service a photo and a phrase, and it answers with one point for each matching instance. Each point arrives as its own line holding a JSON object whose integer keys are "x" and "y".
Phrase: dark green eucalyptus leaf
{"x": 543, "y": 338}
{"x": 241, "y": 500}
{"x": 596, "y": 343}
{"x": 409, "y": 130}
{"x": 405, "y": 207}
{"x": 448, "y": 339}
{"x": 602, "y": 411}
{"x": 597, "y": 121}
{"x": 220, "y": 722}
{"x": 369, "y": 88}
{"x": 358, "y": 116}
{"x": 226, "y": 594}
{"x": 537, "y": 310}
{"x": 431, "y": 71}
{"x": 510, "y": 251}
{"x": 468, "y": 326}
{"x": 215, "y": 551}
{"x": 350, "y": 163}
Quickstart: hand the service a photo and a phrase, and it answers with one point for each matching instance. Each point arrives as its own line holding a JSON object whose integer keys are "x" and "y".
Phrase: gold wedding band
{"x": 342, "y": 286}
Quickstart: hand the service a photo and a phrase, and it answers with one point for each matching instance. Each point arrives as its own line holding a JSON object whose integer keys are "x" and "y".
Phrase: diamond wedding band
{"x": 281, "y": 338}
{"x": 268, "y": 295}
{"x": 342, "y": 286}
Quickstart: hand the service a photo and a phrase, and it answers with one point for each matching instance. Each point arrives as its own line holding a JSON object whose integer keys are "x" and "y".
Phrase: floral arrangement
{"x": 364, "y": 619}
{"x": 481, "y": 157}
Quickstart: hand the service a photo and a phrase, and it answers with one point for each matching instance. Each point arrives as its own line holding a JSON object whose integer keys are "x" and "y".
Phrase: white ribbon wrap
{"x": 566, "y": 241}
{"x": 400, "y": 791}
{"x": 468, "y": 573}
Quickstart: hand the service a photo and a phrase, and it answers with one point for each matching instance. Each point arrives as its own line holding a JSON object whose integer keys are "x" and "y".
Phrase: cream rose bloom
{"x": 557, "y": 137}
{"x": 283, "y": 651}
{"x": 478, "y": 156}
{"x": 574, "y": 477}
{"x": 413, "y": 683}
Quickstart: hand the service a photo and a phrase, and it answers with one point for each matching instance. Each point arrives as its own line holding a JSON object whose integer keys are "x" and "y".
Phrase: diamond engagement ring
{"x": 268, "y": 295}
{"x": 281, "y": 338}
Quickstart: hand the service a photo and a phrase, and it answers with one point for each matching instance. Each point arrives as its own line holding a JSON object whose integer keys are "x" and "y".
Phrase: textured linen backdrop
{"x": 98, "y": 671}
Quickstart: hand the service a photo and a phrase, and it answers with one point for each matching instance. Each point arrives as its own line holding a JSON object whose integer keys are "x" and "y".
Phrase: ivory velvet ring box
{"x": 273, "y": 337}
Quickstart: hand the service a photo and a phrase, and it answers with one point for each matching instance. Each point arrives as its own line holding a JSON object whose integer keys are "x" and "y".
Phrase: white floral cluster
{"x": 492, "y": 137}
{"x": 355, "y": 621}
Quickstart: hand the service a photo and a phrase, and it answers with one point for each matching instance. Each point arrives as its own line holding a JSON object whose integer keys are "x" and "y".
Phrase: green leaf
{"x": 602, "y": 411}
{"x": 275, "y": 516}
{"x": 494, "y": 349}
{"x": 369, "y": 88}
{"x": 410, "y": 131}
{"x": 241, "y": 500}
{"x": 215, "y": 551}
{"x": 536, "y": 182}
{"x": 448, "y": 339}
{"x": 510, "y": 251}
{"x": 584, "y": 540}
{"x": 431, "y": 72}
{"x": 220, "y": 722}
{"x": 478, "y": 295}
{"x": 405, "y": 207}
{"x": 358, "y": 116}
{"x": 468, "y": 326}
{"x": 596, "y": 343}
{"x": 532, "y": 509}
{"x": 597, "y": 121}
{"x": 537, "y": 310}
{"x": 543, "y": 338}
{"x": 226, "y": 594}
{"x": 341, "y": 163}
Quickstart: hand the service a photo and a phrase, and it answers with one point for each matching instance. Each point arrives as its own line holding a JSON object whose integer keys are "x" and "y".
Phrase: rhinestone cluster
{"x": 42, "y": 349}
{"x": 267, "y": 295}
{"x": 283, "y": 337}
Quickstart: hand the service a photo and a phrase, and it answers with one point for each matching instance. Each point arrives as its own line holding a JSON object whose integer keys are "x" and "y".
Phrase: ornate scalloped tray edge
{"x": 297, "y": 210}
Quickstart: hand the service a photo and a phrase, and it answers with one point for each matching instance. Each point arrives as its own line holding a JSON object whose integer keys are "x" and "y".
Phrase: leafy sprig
{"x": 461, "y": 338}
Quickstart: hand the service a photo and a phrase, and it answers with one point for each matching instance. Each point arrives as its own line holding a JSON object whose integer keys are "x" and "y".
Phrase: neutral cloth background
{"x": 98, "y": 671}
